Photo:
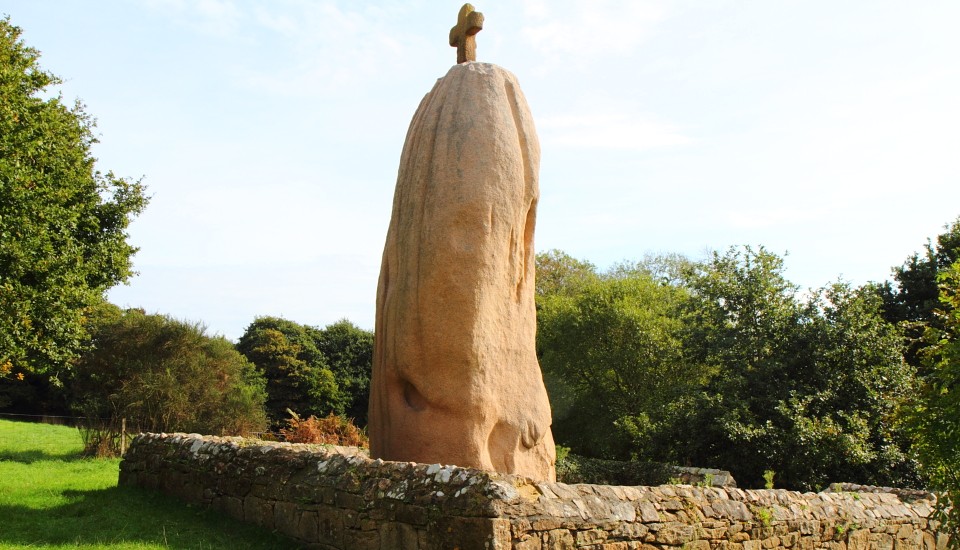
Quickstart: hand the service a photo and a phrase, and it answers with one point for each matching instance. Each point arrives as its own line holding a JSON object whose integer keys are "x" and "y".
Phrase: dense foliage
{"x": 348, "y": 350}
{"x": 807, "y": 387}
{"x": 63, "y": 239}
{"x": 720, "y": 363}
{"x": 915, "y": 294}
{"x": 936, "y": 419}
{"x": 165, "y": 375}
{"x": 297, "y": 374}
{"x": 911, "y": 299}
{"x": 597, "y": 471}
{"x": 310, "y": 371}
{"x": 614, "y": 358}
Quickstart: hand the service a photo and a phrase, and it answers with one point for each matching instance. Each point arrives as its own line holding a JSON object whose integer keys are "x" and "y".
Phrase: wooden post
{"x": 123, "y": 436}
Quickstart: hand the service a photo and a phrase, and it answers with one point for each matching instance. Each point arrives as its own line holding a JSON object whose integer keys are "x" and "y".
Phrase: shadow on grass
{"x": 130, "y": 517}
{"x": 36, "y": 455}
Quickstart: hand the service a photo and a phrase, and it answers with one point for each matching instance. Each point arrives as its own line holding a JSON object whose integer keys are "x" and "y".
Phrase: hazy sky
{"x": 269, "y": 133}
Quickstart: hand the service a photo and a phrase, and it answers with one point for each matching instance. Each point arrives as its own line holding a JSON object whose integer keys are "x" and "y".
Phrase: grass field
{"x": 52, "y": 498}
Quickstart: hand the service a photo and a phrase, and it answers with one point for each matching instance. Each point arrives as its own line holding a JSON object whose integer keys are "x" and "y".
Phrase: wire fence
{"x": 72, "y": 421}
{"x": 101, "y": 436}
{"x": 104, "y": 436}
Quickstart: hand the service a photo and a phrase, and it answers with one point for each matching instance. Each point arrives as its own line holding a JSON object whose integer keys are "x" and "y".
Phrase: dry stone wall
{"x": 338, "y": 498}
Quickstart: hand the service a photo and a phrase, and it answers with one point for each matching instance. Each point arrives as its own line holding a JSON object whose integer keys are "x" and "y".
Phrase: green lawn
{"x": 51, "y": 497}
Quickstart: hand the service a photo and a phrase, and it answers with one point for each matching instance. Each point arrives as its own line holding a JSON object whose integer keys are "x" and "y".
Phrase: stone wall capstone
{"x": 338, "y": 498}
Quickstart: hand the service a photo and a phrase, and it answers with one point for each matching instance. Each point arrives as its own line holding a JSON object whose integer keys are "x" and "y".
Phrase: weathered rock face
{"x": 455, "y": 375}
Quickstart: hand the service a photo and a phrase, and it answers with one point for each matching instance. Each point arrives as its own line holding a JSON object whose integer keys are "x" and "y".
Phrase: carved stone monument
{"x": 455, "y": 373}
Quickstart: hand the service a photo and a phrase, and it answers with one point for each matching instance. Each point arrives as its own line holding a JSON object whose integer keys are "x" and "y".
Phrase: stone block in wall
{"x": 361, "y": 540}
{"x": 560, "y": 539}
{"x": 398, "y": 535}
{"x": 881, "y": 541}
{"x": 258, "y": 511}
{"x": 630, "y": 531}
{"x": 308, "y": 529}
{"x": 413, "y": 515}
{"x": 675, "y": 534}
{"x": 286, "y": 517}
{"x": 531, "y": 543}
{"x": 470, "y": 534}
{"x": 330, "y": 525}
{"x": 590, "y": 536}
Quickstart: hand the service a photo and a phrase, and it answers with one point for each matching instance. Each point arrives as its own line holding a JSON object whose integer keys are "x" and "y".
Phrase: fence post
{"x": 123, "y": 436}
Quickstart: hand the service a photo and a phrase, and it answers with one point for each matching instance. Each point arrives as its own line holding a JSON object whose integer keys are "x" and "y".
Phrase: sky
{"x": 269, "y": 132}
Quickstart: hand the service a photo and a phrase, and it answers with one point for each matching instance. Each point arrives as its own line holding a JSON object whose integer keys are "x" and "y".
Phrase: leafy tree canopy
{"x": 558, "y": 272}
{"x": 165, "y": 375}
{"x": 917, "y": 294}
{"x": 348, "y": 350}
{"x": 612, "y": 354}
{"x": 722, "y": 363}
{"x": 935, "y": 422}
{"x": 63, "y": 239}
{"x": 298, "y": 376}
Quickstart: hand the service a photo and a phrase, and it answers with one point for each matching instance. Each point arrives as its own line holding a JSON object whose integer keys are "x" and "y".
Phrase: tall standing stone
{"x": 455, "y": 377}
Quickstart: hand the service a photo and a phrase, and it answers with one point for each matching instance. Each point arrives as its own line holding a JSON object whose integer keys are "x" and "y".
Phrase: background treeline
{"x": 162, "y": 374}
{"x": 719, "y": 362}
{"x": 724, "y": 363}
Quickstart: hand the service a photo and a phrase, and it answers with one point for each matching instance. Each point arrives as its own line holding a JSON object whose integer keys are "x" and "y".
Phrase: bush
{"x": 165, "y": 375}
{"x": 101, "y": 438}
{"x": 332, "y": 430}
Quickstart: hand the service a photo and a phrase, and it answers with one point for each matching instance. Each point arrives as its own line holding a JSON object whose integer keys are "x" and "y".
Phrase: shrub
{"x": 331, "y": 430}
{"x": 165, "y": 375}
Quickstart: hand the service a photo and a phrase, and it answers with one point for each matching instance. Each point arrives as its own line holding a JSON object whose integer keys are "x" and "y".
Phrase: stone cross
{"x": 462, "y": 35}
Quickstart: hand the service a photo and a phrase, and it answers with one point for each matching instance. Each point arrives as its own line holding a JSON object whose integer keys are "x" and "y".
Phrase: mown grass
{"x": 51, "y": 497}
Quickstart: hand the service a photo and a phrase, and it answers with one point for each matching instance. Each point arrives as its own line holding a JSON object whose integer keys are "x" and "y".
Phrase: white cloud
{"x": 213, "y": 17}
{"x": 330, "y": 47}
{"x": 315, "y": 46}
{"x": 577, "y": 30}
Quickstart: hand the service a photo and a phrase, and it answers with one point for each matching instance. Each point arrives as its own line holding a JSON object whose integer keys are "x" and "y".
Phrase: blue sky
{"x": 269, "y": 133}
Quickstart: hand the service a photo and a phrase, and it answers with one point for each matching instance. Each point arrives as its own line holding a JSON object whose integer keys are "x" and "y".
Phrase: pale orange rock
{"x": 455, "y": 374}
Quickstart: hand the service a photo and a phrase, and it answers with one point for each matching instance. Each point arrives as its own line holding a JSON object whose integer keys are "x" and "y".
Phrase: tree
{"x": 560, "y": 273}
{"x": 917, "y": 293}
{"x": 744, "y": 322}
{"x": 720, "y": 363}
{"x": 847, "y": 394}
{"x": 614, "y": 363}
{"x": 807, "y": 389}
{"x": 348, "y": 350}
{"x": 298, "y": 376}
{"x": 63, "y": 239}
{"x": 916, "y": 296}
{"x": 165, "y": 375}
{"x": 935, "y": 421}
